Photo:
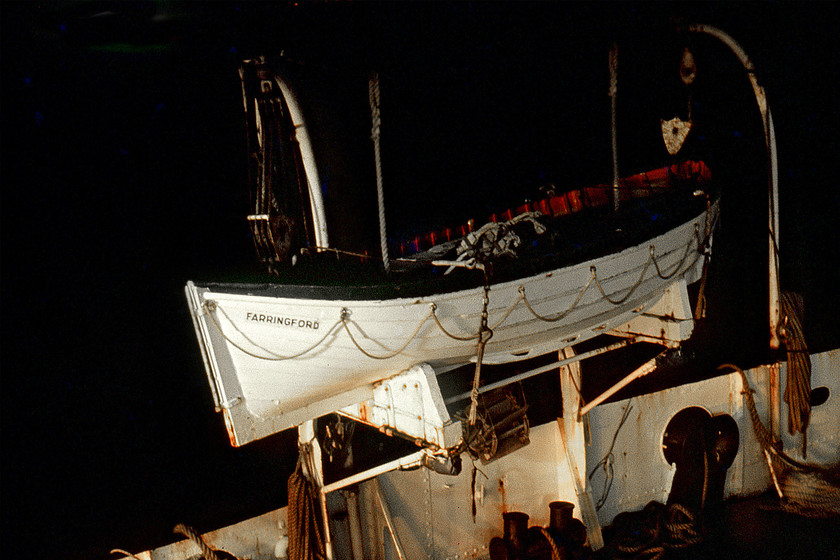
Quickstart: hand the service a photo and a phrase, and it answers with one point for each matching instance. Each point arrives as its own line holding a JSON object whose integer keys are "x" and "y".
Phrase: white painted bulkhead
{"x": 432, "y": 513}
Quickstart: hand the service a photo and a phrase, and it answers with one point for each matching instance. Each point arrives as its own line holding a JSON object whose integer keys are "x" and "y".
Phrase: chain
{"x": 485, "y": 333}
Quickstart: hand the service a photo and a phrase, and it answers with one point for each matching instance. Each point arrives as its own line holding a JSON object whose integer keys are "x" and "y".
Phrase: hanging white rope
{"x": 373, "y": 97}
{"x": 613, "y": 95}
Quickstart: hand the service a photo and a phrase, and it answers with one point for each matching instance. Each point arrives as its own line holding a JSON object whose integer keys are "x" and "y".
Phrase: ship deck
{"x": 751, "y": 528}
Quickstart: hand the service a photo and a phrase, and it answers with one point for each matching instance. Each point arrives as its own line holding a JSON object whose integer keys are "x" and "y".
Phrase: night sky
{"x": 124, "y": 175}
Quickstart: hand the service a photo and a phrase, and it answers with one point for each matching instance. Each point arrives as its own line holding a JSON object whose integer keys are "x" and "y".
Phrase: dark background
{"x": 124, "y": 175}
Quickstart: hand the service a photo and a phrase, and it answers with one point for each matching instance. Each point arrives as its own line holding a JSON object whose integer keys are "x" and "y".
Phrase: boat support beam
{"x": 573, "y": 439}
{"x": 542, "y": 369}
{"x": 641, "y": 371}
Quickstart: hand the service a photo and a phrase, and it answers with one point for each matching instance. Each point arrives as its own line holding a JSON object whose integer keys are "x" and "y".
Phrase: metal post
{"x": 316, "y": 199}
{"x": 356, "y": 539}
{"x": 542, "y": 369}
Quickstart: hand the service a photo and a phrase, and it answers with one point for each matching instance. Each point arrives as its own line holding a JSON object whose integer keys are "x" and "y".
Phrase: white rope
{"x": 344, "y": 321}
{"x": 679, "y": 265}
{"x": 373, "y": 97}
{"x": 560, "y": 315}
{"x": 651, "y": 259}
{"x": 210, "y": 306}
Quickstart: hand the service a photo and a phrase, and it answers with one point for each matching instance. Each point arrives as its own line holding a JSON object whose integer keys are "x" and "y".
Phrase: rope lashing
{"x": 446, "y": 332}
{"x": 594, "y": 271}
{"x": 678, "y": 267}
{"x": 345, "y": 321}
{"x": 651, "y": 259}
{"x": 559, "y": 315}
{"x": 494, "y": 239}
{"x": 207, "y": 552}
{"x": 210, "y": 307}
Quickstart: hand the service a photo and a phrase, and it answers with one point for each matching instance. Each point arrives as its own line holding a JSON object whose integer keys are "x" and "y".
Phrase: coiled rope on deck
{"x": 648, "y": 534}
{"x": 807, "y": 489}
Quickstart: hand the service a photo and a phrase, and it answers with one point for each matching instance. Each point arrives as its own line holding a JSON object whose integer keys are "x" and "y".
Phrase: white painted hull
{"x": 281, "y": 356}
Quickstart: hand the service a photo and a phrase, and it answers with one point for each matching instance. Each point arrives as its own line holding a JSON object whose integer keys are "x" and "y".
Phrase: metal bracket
{"x": 668, "y": 322}
{"x": 409, "y": 403}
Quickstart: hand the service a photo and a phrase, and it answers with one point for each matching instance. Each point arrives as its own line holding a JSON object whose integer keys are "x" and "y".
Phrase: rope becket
{"x": 211, "y": 308}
